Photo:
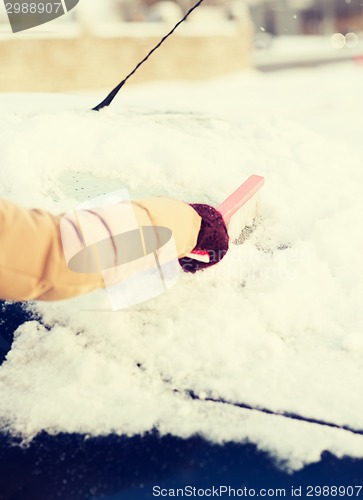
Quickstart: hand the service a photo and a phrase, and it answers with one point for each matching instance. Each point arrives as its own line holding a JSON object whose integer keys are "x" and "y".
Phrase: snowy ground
{"x": 278, "y": 324}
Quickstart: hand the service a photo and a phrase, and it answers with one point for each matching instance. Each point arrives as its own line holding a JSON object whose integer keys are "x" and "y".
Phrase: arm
{"x": 32, "y": 262}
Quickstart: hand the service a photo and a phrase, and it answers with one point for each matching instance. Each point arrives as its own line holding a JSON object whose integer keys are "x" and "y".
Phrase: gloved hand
{"x": 213, "y": 238}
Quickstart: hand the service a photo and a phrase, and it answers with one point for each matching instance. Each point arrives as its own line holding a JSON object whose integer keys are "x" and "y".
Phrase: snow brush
{"x": 116, "y": 90}
{"x": 238, "y": 210}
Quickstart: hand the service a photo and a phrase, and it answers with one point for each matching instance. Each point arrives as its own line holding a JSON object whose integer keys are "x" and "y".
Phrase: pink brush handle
{"x": 241, "y": 196}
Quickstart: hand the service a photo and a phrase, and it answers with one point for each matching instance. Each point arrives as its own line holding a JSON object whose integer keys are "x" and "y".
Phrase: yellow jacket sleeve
{"x": 32, "y": 261}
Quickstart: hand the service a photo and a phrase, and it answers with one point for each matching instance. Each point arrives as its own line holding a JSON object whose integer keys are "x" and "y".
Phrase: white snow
{"x": 277, "y": 324}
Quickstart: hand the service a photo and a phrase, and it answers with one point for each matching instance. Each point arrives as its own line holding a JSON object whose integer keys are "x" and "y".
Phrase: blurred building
{"x": 100, "y": 41}
{"x": 162, "y": 10}
{"x": 313, "y": 17}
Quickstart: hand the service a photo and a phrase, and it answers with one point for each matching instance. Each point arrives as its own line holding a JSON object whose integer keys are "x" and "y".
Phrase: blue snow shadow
{"x": 69, "y": 467}
{"x": 72, "y": 467}
{"x": 12, "y": 315}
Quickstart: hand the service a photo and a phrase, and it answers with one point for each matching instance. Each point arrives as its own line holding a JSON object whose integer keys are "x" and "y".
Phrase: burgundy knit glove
{"x": 213, "y": 238}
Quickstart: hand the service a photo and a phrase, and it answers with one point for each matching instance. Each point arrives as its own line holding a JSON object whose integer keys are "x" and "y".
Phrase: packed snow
{"x": 277, "y": 324}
